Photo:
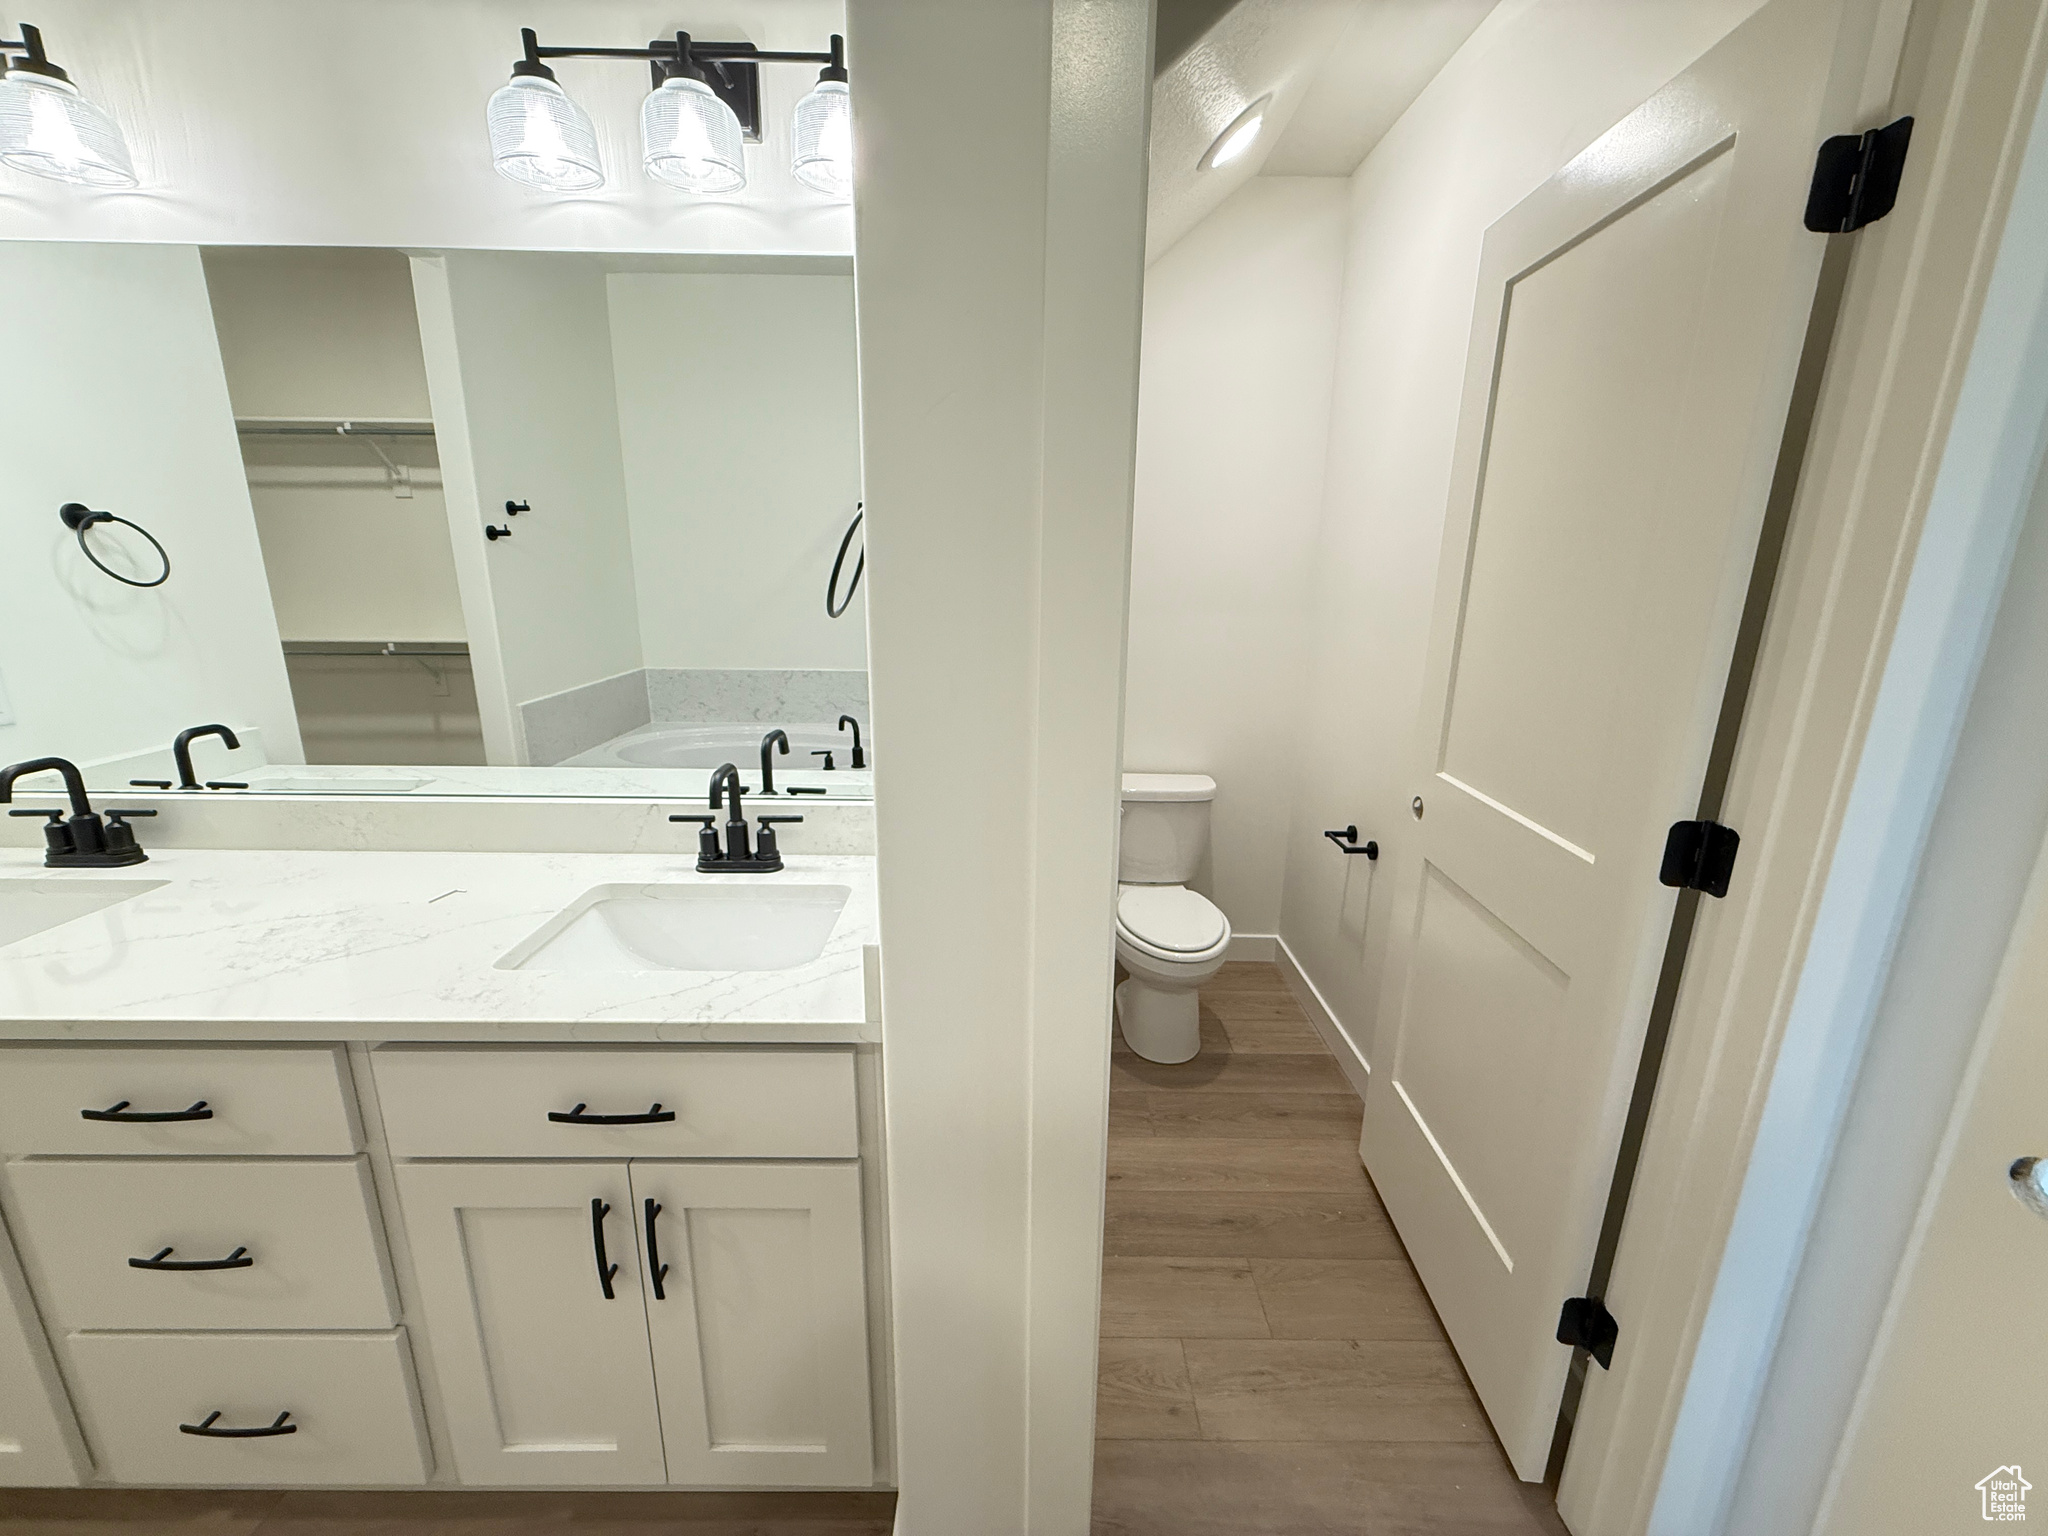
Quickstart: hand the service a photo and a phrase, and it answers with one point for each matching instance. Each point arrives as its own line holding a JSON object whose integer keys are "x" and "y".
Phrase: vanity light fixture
{"x": 689, "y": 136}
{"x": 704, "y": 108}
{"x": 1238, "y": 136}
{"x": 539, "y": 137}
{"x": 823, "y": 131}
{"x": 48, "y": 129}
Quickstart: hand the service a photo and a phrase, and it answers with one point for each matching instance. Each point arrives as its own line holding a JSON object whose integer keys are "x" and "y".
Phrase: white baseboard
{"x": 1253, "y": 946}
{"x": 1350, "y": 1059}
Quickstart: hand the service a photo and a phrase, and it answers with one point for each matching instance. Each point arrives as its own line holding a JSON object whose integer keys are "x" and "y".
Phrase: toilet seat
{"x": 1171, "y": 923}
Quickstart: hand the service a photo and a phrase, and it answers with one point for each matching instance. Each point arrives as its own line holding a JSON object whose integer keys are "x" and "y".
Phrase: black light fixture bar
{"x": 730, "y": 69}
{"x": 30, "y": 44}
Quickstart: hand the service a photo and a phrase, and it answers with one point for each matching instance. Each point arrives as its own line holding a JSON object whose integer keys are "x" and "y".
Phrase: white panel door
{"x": 757, "y": 1306}
{"x": 1638, "y": 322}
{"x": 531, "y": 1281}
{"x": 40, "y": 1446}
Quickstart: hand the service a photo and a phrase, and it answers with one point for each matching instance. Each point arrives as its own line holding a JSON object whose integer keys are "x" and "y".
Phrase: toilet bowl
{"x": 1169, "y": 939}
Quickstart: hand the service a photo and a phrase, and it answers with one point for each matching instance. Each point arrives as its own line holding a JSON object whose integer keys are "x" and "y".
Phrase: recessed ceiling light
{"x": 1237, "y": 137}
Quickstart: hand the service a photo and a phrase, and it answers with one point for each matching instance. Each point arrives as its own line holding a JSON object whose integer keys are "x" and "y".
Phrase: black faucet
{"x": 859, "y": 757}
{"x": 736, "y": 857}
{"x": 181, "y": 749}
{"x": 84, "y": 841}
{"x": 768, "y": 744}
{"x": 825, "y": 754}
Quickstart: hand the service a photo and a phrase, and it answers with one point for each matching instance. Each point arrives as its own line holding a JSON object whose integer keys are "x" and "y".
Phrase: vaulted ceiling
{"x": 1340, "y": 72}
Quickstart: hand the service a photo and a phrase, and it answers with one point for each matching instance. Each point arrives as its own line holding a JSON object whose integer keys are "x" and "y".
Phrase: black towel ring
{"x": 832, "y": 584}
{"x": 79, "y": 517}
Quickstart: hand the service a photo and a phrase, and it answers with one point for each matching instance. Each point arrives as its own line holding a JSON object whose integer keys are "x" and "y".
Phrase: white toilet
{"x": 1169, "y": 938}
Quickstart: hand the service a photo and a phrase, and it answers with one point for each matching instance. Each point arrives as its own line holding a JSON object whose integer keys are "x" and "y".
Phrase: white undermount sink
{"x": 30, "y": 907}
{"x": 767, "y": 927}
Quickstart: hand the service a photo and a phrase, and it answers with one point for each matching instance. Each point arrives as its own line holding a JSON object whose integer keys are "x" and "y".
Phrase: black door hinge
{"x": 1699, "y": 856}
{"x": 1856, "y": 178}
{"x": 1585, "y": 1323}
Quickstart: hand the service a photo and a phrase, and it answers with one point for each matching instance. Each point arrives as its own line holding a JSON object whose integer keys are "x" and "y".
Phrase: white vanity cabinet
{"x": 39, "y": 1441}
{"x": 627, "y": 1266}
{"x": 629, "y": 1317}
{"x": 200, "y": 1234}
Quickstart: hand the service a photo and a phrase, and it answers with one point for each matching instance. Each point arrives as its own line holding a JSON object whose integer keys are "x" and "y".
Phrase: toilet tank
{"x": 1165, "y": 827}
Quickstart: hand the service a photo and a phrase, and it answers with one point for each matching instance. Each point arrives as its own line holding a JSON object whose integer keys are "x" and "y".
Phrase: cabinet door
{"x": 760, "y": 1323}
{"x": 40, "y": 1446}
{"x": 546, "y": 1378}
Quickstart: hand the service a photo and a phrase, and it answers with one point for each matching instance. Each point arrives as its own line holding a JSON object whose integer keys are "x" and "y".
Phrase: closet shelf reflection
{"x": 375, "y": 648}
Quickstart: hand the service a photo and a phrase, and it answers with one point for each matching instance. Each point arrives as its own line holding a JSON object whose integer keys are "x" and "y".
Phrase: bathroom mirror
{"x": 431, "y": 522}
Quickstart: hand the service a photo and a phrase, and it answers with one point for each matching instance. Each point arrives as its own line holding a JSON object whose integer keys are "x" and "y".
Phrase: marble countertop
{"x": 400, "y": 946}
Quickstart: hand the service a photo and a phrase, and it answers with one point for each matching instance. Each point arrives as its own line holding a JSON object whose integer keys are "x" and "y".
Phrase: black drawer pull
{"x": 259, "y": 1432}
{"x": 606, "y": 1270}
{"x": 121, "y": 1114}
{"x": 656, "y": 1270}
{"x": 655, "y": 1115}
{"x": 239, "y": 1259}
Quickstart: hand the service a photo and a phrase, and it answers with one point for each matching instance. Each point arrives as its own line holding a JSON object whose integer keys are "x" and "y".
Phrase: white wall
{"x": 318, "y": 332}
{"x": 112, "y": 393}
{"x": 334, "y": 334}
{"x": 1233, "y": 419}
{"x": 739, "y": 411}
{"x": 519, "y": 365}
{"x": 255, "y": 123}
{"x": 1537, "y": 82}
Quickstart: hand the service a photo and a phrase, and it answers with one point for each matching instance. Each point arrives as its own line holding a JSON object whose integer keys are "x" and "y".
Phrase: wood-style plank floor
{"x": 140, "y": 1512}
{"x": 1270, "y": 1364}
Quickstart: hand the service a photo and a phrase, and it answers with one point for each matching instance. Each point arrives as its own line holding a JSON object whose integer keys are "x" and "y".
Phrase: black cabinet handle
{"x": 239, "y": 1259}
{"x": 655, "y": 1268}
{"x": 121, "y": 1114}
{"x": 655, "y": 1115}
{"x": 258, "y": 1432}
{"x": 606, "y": 1270}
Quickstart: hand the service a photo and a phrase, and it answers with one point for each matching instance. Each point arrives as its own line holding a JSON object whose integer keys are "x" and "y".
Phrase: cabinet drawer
{"x": 256, "y": 1103}
{"x": 350, "y": 1398}
{"x": 496, "y": 1103}
{"x": 303, "y": 1238}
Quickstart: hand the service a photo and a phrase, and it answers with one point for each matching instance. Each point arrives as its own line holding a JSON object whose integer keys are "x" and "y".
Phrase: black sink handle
{"x": 239, "y": 1259}
{"x": 278, "y": 1426}
{"x": 655, "y": 1115}
{"x": 121, "y": 1114}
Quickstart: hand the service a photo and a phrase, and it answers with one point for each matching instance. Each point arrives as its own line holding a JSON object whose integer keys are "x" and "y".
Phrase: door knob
{"x": 1415, "y": 807}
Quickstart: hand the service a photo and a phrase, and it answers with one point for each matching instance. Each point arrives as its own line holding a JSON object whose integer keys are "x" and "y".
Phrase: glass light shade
{"x": 540, "y": 138}
{"x": 691, "y": 138}
{"x": 48, "y": 129}
{"x": 824, "y": 140}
